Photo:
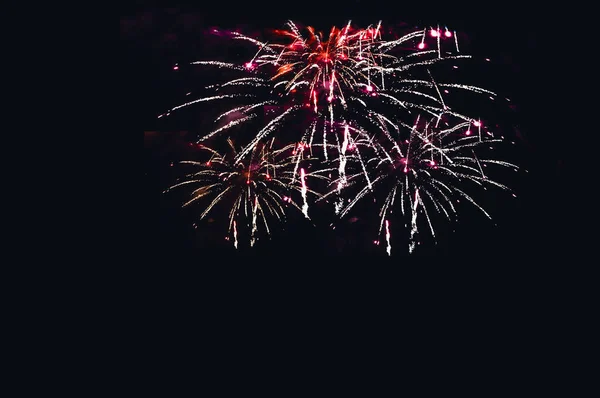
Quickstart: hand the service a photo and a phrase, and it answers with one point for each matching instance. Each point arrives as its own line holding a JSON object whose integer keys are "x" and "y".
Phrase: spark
{"x": 387, "y": 238}
{"x": 304, "y": 190}
{"x": 254, "y": 226}
{"x": 235, "y": 240}
{"x": 413, "y": 222}
{"x": 342, "y": 170}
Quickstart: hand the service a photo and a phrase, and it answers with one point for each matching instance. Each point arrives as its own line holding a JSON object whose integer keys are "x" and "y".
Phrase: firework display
{"x": 368, "y": 112}
{"x": 254, "y": 191}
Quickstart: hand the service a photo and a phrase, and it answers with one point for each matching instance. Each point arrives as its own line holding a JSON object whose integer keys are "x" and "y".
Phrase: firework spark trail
{"x": 294, "y": 29}
{"x": 304, "y": 190}
{"x": 331, "y": 118}
{"x": 325, "y": 142}
{"x": 258, "y": 43}
{"x": 269, "y": 128}
{"x": 227, "y": 126}
{"x": 437, "y": 90}
{"x": 235, "y": 234}
{"x": 345, "y": 144}
{"x": 478, "y": 163}
{"x": 342, "y": 181}
{"x": 388, "y": 45}
{"x": 218, "y": 64}
{"x": 413, "y": 223}
{"x": 389, "y": 201}
{"x": 439, "y": 47}
{"x": 252, "y": 81}
{"x": 243, "y": 109}
{"x": 331, "y": 86}
{"x": 254, "y": 226}
{"x": 364, "y": 167}
{"x": 313, "y": 129}
{"x": 388, "y": 238}
{"x": 456, "y": 42}
{"x": 300, "y": 152}
{"x": 206, "y": 99}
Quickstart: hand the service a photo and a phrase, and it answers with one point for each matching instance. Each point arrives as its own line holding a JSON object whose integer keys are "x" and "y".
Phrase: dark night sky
{"x": 153, "y": 39}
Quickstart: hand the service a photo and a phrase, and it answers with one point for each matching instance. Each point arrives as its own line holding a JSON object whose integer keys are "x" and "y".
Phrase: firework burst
{"x": 370, "y": 109}
{"x": 422, "y": 170}
{"x": 258, "y": 189}
{"x": 323, "y": 83}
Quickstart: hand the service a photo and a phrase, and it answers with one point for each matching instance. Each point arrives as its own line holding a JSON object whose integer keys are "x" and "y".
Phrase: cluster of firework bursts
{"x": 363, "y": 114}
